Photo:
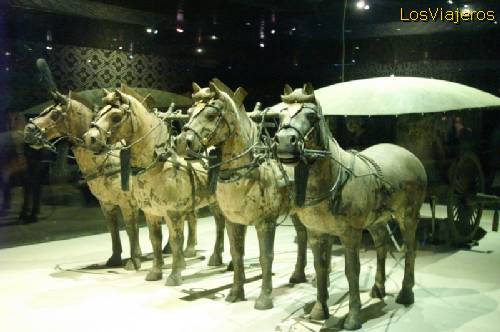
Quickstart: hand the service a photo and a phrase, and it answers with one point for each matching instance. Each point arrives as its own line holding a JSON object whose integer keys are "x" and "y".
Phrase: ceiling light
{"x": 248, "y": 24}
{"x": 7, "y": 53}
{"x": 179, "y": 30}
{"x": 360, "y": 4}
{"x": 273, "y": 32}
{"x": 262, "y": 45}
{"x": 450, "y": 2}
{"x": 149, "y": 30}
{"x": 199, "y": 50}
{"x": 48, "y": 47}
{"x": 120, "y": 47}
{"x": 156, "y": 31}
{"x": 214, "y": 37}
{"x": 366, "y": 7}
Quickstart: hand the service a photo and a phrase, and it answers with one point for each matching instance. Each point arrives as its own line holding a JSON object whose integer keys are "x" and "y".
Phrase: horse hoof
{"x": 215, "y": 260}
{"x": 167, "y": 249}
{"x": 377, "y": 292}
{"x": 230, "y": 266}
{"x": 405, "y": 297}
{"x": 264, "y": 302}
{"x": 133, "y": 264}
{"x": 153, "y": 275}
{"x": 352, "y": 322}
{"x": 174, "y": 279}
{"x": 298, "y": 277}
{"x": 190, "y": 253}
{"x": 320, "y": 311}
{"x": 114, "y": 261}
{"x": 236, "y": 296}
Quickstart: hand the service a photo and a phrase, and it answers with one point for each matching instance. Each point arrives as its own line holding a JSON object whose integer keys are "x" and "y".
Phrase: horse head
{"x": 69, "y": 116}
{"x": 302, "y": 125}
{"x": 112, "y": 123}
{"x": 213, "y": 117}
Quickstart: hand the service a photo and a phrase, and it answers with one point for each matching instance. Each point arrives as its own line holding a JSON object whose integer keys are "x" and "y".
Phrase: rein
{"x": 230, "y": 175}
{"x": 344, "y": 172}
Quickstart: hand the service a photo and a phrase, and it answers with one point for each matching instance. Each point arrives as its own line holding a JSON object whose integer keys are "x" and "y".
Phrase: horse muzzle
{"x": 94, "y": 141}
{"x": 33, "y": 136}
{"x": 287, "y": 146}
{"x": 192, "y": 144}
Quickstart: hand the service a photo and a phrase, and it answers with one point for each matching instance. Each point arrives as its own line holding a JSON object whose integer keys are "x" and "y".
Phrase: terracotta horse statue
{"x": 70, "y": 116}
{"x": 164, "y": 189}
{"x": 250, "y": 191}
{"x": 345, "y": 192}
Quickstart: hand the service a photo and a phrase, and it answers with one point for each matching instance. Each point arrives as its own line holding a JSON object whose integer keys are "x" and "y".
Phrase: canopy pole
{"x": 343, "y": 41}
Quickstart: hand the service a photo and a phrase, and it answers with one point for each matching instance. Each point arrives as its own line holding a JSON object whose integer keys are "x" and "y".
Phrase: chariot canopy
{"x": 401, "y": 95}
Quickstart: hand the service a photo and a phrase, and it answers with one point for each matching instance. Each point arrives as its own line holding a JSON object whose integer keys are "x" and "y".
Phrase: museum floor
{"x": 56, "y": 286}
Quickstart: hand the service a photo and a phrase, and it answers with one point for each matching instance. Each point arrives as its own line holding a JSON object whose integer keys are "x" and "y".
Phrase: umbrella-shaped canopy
{"x": 401, "y": 95}
{"x": 162, "y": 99}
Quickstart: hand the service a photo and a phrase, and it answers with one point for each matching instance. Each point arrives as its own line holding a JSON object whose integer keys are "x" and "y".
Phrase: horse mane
{"x": 147, "y": 102}
{"x": 241, "y": 115}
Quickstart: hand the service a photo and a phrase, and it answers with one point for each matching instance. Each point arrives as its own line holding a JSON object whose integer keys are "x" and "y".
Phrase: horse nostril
{"x": 93, "y": 140}
{"x": 277, "y": 139}
{"x": 293, "y": 139}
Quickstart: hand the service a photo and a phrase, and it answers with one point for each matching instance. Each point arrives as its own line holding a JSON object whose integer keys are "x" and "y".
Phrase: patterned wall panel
{"x": 81, "y": 68}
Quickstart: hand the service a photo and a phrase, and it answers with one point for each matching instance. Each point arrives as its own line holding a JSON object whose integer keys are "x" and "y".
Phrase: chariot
{"x": 453, "y": 129}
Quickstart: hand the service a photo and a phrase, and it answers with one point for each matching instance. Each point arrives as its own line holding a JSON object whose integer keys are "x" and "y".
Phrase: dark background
{"x": 103, "y": 43}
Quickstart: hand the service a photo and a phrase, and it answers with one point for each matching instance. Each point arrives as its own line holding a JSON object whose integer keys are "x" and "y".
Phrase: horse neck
{"x": 244, "y": 134}
{"x": 327, "y": 170}
{"x": 149, "y": 131}
{"x": 79, "y": 121}
{"x": 87, "y": 161}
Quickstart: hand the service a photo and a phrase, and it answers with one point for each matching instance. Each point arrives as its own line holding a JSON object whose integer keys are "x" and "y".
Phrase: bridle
{"x": 40, "y": 136}
{"x": 289, "y": 124}
{"x": 126, "y": 111}
{"x": 197, "y": 109}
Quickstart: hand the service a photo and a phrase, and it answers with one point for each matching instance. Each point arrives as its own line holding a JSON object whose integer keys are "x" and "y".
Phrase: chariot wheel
{"x": 464, "y": 212}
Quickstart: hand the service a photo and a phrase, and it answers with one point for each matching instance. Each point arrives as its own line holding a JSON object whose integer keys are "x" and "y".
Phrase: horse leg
{"x": 236, "y": 234}
{"x": 130, "y": 216}
{"x": 379, "y": 236}
{"x": 299, "y": 275}
{"x": 175, "y": 223}
{"x": 351, "y": 240}
{"x": 25, "y": 207}
{"x": 321, "y": 246}
{"x": 216, "y": 258}
{"x": 266, "y": 232}
{"x": 408, "y": 229}
{"x": 154, "y": 227}
{"x": 167, "y": 249}
{"x": 111, "y": 215}
{"x": 192, "y": 236}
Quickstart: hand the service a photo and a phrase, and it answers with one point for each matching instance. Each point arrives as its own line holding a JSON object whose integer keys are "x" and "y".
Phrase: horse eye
{"x": 54, "y": 115}
{"x": 211, "y": 116}
{"x": 312, "y": 117}
{"x": 116, "y": 118}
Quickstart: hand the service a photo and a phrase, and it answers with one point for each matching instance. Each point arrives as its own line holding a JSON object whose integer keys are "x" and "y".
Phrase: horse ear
{"x": 308, "y": 89}
{"x": 239, "y": 96}
{"x": 288, "y": 89}
{"x": 215, "y": 89}
{"x": 106, "y": 91}
{"x": 120, "y": 95}
{"x": 196, "y": 87}
{"x": 59, "y": 97}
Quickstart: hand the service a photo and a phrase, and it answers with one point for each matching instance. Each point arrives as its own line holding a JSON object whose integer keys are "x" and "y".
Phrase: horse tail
{"x": 46, "y": 75}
